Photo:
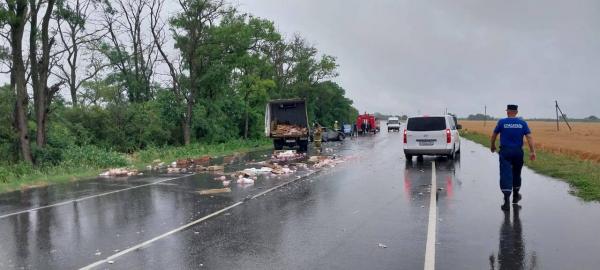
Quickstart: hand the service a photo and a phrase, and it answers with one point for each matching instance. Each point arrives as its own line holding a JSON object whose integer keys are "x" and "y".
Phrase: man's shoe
{"x": 516, "y": 198}
{"x": 505, "y": 206}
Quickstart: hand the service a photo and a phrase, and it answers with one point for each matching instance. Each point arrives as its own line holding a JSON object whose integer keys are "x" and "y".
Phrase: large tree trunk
{"x": 246, "y": 117}
{"x": 18, "y": 81}
{"x": 187, "y": 130}
{"x": 40, "y": 70}
{"x": 73, "y": 77}
{"x": 21, "y": 106}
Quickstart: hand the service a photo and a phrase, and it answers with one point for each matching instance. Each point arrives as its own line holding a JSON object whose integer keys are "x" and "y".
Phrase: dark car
{"x": 329, "y": 135}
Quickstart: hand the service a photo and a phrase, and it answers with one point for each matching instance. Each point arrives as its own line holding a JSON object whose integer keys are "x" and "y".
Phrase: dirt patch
{"x": 583, "y": 141}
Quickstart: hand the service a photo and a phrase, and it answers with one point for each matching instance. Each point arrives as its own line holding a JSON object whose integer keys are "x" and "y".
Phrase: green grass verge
{"x": 88, "y": 161}
{"x": 583, "y": 175}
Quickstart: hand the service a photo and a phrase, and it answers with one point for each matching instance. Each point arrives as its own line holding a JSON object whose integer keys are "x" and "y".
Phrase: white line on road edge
{"x": 141, "y": 245}
{"x": 430, "y": 247}
{"x": 89, "y": 197}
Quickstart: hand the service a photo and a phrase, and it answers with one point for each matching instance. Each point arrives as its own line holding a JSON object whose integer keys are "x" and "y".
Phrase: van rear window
{"x": 426, "y": 124}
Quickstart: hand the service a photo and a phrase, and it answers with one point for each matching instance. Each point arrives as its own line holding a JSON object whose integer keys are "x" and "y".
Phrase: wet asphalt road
{"x": 331, "y": 219}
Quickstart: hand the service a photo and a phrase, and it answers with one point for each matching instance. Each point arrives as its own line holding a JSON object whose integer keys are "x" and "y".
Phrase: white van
{"x": 431, "y": 135}
{"x": 393, "y": 124}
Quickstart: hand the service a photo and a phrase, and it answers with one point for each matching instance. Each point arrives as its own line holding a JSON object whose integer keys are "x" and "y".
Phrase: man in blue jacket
{"x": 511, "y": 130}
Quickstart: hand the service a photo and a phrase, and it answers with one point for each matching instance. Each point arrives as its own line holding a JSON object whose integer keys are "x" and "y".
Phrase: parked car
{"x": 347, "y": 129}
{"x": 393, "y": 124}
{"x": 431, "y": 135}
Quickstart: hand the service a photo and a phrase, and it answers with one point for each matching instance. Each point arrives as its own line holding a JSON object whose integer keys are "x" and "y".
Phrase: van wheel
{"x": 453, "y": 155}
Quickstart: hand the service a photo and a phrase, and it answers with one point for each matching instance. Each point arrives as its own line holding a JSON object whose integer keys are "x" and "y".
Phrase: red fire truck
{"x": 366, "y": 123}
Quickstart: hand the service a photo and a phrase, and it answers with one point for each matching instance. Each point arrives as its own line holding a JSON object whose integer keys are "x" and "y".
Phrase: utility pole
{"x": 484, "y": 115}
{"x": 556, "y": 109}
{"x": 563, "y": 116}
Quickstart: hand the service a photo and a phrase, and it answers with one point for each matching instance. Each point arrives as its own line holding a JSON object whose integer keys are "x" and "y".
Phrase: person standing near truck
{"x": 318, "y": 136}
{"x": 511, "y": 130}
{"x": 336, "y": 126}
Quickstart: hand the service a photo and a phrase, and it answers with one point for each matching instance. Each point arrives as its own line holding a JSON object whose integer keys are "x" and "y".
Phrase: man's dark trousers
{"x": 511, "y": 163}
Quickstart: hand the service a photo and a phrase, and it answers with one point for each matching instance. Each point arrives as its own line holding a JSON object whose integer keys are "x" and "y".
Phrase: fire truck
{"x": 366, "y": 123}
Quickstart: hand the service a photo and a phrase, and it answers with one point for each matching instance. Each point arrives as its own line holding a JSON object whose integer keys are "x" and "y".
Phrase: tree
{"x": 75, "y": 38}
{"x": 40, "y": 67}
{"x": 191, "y": 31}
{"x": 479, "y": 117}
{"x": 252, "y": 37}
{"x": 159, "y": 38}
{"x": 128, "y": 48}
{"x": 15, "y": 15}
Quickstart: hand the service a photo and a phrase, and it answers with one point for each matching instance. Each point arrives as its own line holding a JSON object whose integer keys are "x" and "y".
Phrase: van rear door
{"x": 426, "y": 133}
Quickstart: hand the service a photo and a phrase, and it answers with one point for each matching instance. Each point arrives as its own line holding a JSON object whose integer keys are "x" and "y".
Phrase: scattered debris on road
{"x": 157, "y": 164}
{"x": 286, "y": 156}
{"x": 214, "y": 191}
{"x": 255, "y": 171}
{"x": 119, "y": 172}
{"x": 282, "y": 162}
{"x": 176, "y": 170}
{"x": 215, "y": 168}
{"x": 244, "y": 180}
{"x": 202, "y": 161}
{"x": 326, "y": 161}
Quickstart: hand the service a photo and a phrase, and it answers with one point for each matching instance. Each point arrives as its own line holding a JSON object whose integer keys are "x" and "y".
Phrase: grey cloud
{"x": 408, "y": 56}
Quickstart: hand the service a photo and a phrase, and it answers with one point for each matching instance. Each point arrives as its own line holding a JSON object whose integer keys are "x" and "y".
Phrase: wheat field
{"x": 583, "y": 141}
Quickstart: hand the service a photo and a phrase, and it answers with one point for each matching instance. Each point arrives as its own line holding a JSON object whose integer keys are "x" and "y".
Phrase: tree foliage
{"x": 201, "y": 74}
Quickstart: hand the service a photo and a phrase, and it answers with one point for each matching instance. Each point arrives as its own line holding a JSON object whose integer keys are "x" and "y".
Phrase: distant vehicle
{"x": 286, "y": 122}
{"x": 431, "y": 135}
{"x": 366, "y": 123}
{"x": 347, "y": 129}
{"x": 330, "y": 135}
{"x": 393, "y": 124}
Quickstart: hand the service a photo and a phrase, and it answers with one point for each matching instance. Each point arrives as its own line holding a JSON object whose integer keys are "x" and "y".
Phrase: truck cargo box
{"x": 286, "y": 121}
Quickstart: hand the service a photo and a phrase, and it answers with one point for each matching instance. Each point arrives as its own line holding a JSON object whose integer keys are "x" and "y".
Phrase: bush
{"x": 8, "y": 136}
{"x": 47, "y": 156}
{"x": 92, "y": 156}
{"x": 4, "y": 174}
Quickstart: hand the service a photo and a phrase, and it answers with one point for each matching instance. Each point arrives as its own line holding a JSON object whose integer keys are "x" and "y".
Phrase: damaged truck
{"x": 286, "y": 122}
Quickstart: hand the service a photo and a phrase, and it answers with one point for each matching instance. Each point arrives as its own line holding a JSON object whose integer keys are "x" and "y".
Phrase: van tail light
{"x": 405, "y": 140}
{"x": 448, "y": 136}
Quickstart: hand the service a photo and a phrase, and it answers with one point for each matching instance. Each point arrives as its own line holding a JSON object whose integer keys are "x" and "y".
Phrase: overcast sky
{"x": 422, "y": 56}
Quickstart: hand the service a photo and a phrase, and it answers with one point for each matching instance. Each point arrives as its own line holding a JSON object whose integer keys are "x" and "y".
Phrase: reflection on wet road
{"x": 368, "y": 213}
{"x": 511, "y": 252}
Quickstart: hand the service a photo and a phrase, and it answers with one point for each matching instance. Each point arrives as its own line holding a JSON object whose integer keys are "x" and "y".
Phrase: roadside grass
{"x": 583, "y": 175}
{"x": 85, "y": 162}
{"x": 168, "y": 154}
